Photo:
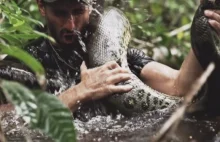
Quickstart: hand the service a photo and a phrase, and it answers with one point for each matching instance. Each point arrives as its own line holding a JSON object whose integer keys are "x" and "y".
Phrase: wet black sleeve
{"x": 137, "y": 59}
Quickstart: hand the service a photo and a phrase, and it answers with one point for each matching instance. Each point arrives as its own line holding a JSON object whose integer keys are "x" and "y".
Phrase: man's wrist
{"x": 82, "y": 92}
{"x": 72, "y": 97}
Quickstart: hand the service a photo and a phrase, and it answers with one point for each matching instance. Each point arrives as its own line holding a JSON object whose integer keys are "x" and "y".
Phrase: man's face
{"x": 63, "y": 18}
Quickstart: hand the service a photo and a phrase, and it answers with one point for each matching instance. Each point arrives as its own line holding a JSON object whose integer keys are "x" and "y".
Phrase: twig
{"x": 179, "y": 30}
{"x": 2, "y": 136}
{"x": 2, "y": 18}
{"x": 142, "y": 43}
{"x": 172, "y": 123}
{"x": 26, "y": 134}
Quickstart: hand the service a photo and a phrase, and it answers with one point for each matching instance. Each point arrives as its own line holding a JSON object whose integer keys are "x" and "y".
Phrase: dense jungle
{"x": 160, "y": 28}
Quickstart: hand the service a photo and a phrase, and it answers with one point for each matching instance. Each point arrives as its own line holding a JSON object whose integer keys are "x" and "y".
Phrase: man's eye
{"x": 60, "y": 13}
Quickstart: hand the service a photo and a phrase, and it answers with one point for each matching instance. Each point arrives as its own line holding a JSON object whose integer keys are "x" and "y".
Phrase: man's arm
{"x": 96, "y": 83}
{"x": 170, "y": 81}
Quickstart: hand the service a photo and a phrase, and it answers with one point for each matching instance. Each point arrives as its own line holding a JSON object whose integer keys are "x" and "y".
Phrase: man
{"x": 63, "y": 61}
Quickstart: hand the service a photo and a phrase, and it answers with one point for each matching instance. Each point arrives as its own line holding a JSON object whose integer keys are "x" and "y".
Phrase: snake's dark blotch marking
{"x": 155, "y": 100}
{"x": 140, "y": 94}
{"x": 145, "y": 106}
{"x": 130, "y": 102}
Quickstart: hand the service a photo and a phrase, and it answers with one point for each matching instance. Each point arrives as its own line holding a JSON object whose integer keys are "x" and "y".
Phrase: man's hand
{"x": 214, "y": 19}
{"x": 99, "y": 82}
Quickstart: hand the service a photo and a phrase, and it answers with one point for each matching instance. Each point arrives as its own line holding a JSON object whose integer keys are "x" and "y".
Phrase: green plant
{"x": 41, "y": 110}
{"x": 156, "y": 24}
{"x": 161, "y": 24}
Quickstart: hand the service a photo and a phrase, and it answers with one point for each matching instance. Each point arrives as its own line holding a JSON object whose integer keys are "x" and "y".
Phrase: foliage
{"x": 44, "y": 111}
{"x": 41, "y": 110}
{"x": 16, "y": 26}
{"x": 160, "y": 28}
{"x": 161, "y": 24}
{"x": 15, "y": 31}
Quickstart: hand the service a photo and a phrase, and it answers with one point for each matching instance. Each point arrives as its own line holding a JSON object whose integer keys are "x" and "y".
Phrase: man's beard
{"x": 66, "y": 38}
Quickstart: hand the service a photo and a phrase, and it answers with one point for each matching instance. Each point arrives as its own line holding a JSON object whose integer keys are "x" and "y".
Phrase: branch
{"x": 179, "y": 30}
{"x": 2, "y": 136}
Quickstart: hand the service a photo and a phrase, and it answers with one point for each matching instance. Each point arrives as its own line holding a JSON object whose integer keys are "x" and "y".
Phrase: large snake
{"x": 206, "y": 46}
{"x": 109, "y": 42}
{"x": 205, "y": 41}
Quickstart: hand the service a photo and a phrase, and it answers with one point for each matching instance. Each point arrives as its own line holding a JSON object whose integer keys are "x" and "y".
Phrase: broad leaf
{"x": 11, "y": 39}
{"x": 44, "y": 111}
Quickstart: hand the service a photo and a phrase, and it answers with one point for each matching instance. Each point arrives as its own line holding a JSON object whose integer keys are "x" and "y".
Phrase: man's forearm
{"x": 160, "y": 77}
{"x": 170, "y": 81}
{"x": 189, "y": 72}
{"x": 96, "y": 83}
{"x": 73, "y": 97}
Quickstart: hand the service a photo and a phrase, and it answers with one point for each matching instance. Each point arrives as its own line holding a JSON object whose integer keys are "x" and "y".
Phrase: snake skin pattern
{"x": 109, "y": 42}
{"x": 205, "y": 43}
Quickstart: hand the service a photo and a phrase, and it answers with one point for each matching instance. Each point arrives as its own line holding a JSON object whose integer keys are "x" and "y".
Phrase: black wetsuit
{"x": 62, "y": 68}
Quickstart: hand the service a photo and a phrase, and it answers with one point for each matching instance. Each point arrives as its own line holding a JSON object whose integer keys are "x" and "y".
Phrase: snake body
{"x": 205, "y": 43}
{"x": 109, "y": 42}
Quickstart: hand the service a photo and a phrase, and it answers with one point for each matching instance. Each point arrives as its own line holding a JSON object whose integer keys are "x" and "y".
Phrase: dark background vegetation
{"x": 160, "y": 27}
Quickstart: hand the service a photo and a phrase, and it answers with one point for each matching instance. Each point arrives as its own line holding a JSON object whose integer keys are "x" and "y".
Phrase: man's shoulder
{"x": 36, "y": 45}
{"x": 37, "y": 48}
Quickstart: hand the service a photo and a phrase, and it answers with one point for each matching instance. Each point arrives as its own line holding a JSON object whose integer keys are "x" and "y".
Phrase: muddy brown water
{"x": 121, "y": 129}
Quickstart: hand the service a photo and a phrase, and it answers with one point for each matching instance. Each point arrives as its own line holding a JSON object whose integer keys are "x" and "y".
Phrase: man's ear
{"x": 41, "y": 7}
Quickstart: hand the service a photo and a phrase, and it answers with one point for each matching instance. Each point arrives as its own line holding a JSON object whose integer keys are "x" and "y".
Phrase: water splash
{"x": 81, "y": 42}
{"x": 120, "y": 129}
{"x": 97, "y": 12}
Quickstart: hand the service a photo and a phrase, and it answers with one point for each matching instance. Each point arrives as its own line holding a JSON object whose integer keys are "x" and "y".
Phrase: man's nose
{"x": 70, "y": 23}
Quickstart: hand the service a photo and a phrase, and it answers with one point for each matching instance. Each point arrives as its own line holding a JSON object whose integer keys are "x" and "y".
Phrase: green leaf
{"x": 44, "y": 111}
{"x": 22, "y": 36}
{"x": 33, "y": 21}
{"x": 4, "y": 27}
{"x": 14, "y": 14}
{"x": 11, "y": 39}
{"x": 45, "y": 36}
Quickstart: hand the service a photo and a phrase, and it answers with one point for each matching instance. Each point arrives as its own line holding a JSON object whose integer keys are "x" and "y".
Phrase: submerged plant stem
{"x": 2, "y": 136}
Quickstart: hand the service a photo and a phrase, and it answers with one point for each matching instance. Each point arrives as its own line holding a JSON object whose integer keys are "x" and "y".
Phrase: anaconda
{"x": 204, "y": 39}
{"x": 206, "y": 46}
{"x": 109, "y": 42}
